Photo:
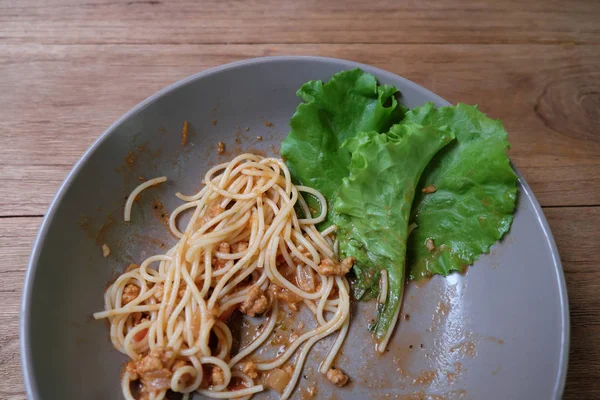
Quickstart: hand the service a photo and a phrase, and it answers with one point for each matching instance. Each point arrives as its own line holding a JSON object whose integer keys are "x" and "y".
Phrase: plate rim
{"x": 32, "y": 265}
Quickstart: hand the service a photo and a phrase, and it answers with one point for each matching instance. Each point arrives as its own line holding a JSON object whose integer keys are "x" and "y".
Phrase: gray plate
{"x": 500, "y": 331}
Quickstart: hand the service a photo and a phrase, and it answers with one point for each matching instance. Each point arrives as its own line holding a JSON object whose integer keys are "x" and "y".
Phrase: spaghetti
{"x": 244, "y": 248}
{"x": 136, "y": 192}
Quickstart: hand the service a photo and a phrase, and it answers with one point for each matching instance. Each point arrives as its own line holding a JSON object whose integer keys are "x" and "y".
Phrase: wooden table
{"x": 69, "y": 68}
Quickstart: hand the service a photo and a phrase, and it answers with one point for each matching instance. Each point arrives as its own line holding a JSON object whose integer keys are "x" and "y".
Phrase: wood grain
{"x": 312, "y": 21}
{"x": 576, "y": 234}
{"x": 60, "y": 98}
{"x": 16, "y": 238}
{"x": 69, "y": 68}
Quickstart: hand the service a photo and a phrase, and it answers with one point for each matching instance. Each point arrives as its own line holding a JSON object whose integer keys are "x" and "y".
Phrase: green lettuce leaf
{"x": 333, "y": 112}
{"x": 476, "y": 192}
{"x": 373, "y": 206}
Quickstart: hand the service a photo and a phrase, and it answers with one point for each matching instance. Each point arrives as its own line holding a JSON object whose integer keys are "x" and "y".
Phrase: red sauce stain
{"x": 441, "y": 314}
{"x": 424, "y": 378}
{"x": 244, "y": 144}
{"x": 493, "y": 339}
{"x": 458, "y": 367}
{"x": 308, "y": 392}
{"x": 86, "y": 226}
{"x": 159, "y": 211}
{"x": 451, "y": 377}
{"x": 132, "y": 157}
{"x": 240, "y": 136}
{"x": 256, "y": 151}
{"x": 466, "y": 348}
{"x": 237, "y": 384}
{"x": 152, "y": 240}
{"x": 101, "y": 235}
{"x": 421, "y": 395}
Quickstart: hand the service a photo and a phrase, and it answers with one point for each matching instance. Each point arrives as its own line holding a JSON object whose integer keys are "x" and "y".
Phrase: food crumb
{"x": 268, "y": 123}
{"x": 337, "y": 377}
{"x": 221, "y": 148}
{"x": 214, "y": 122}
{"x": 429, "y": 189}
{"x": 424, "y": 378}
{"x": 247, "y": 129}
{"x": 407, "y": 316}
{"x": 430, "y": 245}
{"x": 130, "y": 158}
{"x": 249, "y": 368}
{"x": 451, "y": 377}
{"x": 259, "y": 138}
{"x": 141, "y": 179}
{"x": 105, "y": 250}
{"x": 184, "y": 133}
